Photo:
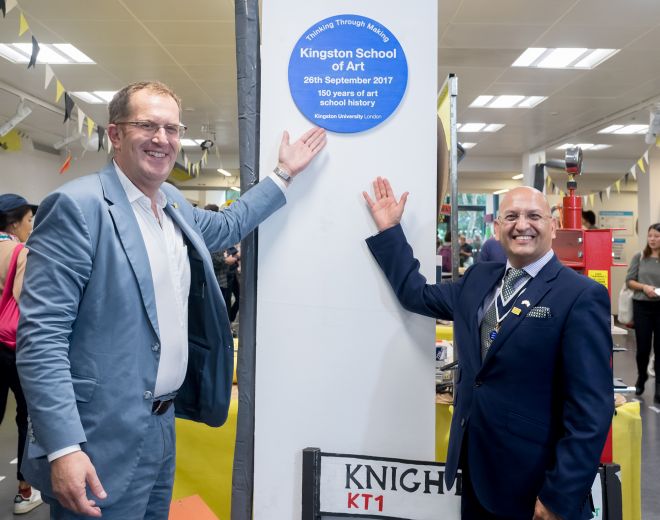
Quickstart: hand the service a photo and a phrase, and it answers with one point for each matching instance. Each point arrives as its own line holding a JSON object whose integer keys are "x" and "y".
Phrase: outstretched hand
{"x": 294, "y": 157}
{"x": 386, "y": 211}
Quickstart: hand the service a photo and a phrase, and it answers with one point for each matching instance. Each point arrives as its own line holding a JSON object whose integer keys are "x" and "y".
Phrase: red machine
{"x": 588, "y": 251}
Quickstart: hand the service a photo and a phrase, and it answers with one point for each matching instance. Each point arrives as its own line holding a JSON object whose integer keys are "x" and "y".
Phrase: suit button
{"x": 147, "y": 395}
{"x": 463, "y": 422}
{"x": 478, "y": 383}
{"x": 155, "y": 347}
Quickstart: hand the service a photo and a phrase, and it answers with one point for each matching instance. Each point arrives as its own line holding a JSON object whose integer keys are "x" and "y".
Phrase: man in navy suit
{"x": 122, "y": 316}
{"x": 534, "y": 397}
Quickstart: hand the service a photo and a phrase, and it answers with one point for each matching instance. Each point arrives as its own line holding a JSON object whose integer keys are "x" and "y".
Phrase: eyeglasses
{"x": 512, "y": 218}
{"x": 151, "y": 128}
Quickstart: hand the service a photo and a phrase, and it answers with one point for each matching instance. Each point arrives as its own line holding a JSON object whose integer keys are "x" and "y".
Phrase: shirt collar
{"x": 535, "y": 267}
{"x": 133, "y": 192}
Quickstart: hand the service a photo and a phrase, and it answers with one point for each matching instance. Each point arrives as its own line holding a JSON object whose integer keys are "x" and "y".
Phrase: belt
{"x": 160, "y": 407}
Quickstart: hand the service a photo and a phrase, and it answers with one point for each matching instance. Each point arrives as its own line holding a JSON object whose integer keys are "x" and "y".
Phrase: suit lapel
{"x": 536, "y": 289}
{"x": 172, "y": 210}
{"x": 128, "y": 230}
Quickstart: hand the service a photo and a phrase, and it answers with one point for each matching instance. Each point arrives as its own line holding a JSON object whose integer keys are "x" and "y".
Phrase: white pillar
{"x": 648, "y": 195}
{"x": 529, "y": 162}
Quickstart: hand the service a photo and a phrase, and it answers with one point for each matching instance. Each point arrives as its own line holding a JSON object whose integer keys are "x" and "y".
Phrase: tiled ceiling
{"x": 190, "y": 45}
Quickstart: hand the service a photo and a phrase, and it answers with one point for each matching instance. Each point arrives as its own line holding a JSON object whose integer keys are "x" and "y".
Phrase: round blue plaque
{"x": 347, "y": 73}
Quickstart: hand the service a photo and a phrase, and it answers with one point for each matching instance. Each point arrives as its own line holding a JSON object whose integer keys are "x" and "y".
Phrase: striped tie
{"x": 489, "y": 321}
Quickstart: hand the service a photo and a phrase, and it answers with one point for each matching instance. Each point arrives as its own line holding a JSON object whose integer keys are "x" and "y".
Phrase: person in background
{"x": 15, "y": 227}
{"x": 588, "y": 219}
{"x": 464, "y": 251}
{"x": 528, "y": 427}
{"x": 644, "y": 278}
{"x": 492, "y": 251}
{"x": 444, "y": 251}
{"x": 121, "y": 315}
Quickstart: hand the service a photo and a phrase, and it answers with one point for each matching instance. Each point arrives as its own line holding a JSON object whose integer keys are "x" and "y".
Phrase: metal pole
{"x": 452, "y": 81}
{"x": 249, "y": 92}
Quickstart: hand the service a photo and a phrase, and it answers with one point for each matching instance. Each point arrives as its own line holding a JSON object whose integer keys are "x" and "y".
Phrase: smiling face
{"x": 525, "y": 227}
{"x": 653, "y": 240}
{"x": 146, "y": 158}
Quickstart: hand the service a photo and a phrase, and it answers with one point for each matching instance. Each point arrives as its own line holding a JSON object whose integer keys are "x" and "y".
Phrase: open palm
{"x": 386, "y": 211}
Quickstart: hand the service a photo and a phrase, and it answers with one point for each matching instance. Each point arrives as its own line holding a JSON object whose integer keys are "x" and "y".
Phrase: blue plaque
{"x": 347, "y": 73}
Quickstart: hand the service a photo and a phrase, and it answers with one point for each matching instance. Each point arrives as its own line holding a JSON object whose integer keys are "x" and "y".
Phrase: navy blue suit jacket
{"x": 535, "y": 414}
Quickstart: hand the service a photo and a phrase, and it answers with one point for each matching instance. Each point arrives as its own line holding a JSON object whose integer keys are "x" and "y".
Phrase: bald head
{"x": 525, "y": 227}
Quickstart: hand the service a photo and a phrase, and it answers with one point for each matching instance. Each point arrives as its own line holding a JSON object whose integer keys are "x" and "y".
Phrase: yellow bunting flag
{"x": 640, "y": 163}
{"x": 60, "y": 91}
{"x": 11, "y": 141}
{"x": 23, "y": 25}
{"x": 90, "y": 127}
{"x": 617, "y": 185}
{"x": 591, "y": 200}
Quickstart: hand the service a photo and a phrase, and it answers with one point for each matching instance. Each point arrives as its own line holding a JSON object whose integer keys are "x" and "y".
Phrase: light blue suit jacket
{"x": 88, "y": 338}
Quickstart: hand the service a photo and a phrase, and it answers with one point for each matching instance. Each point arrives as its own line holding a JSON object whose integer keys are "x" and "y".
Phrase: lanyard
{"x": 507, "y": 305}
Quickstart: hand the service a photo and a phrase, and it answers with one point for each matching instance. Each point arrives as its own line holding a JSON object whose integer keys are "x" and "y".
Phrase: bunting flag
{"x": 600, "y": 196}
{"x": 23, "y": 25}
{"x": 35, "y": 53}
{"x": 625, "y": 178}
{"x": 66, "y": 164}
{"x": 60, "y": 90}
{"x": 3, "y": 8}
{"x": 607, "y": 192}
{"x": 185, "y": 159}
{"x": 101, "y": 133}
{"x": 90, "y": 127}
{"x": 49, "y": 76}
{"x": 7, "y": 6}
{"x": 584, "y": 200}
{"x": 646, "y": 157}
{"x": 591, "y": 199}
{"x": 68, "y": 106}
{"x": 633, "y": 172}
{"x": 206, "y": 154}
{"x": 640, "y": 163}
{"x": 617, "y": 185}
{"x": 81, "y": 119}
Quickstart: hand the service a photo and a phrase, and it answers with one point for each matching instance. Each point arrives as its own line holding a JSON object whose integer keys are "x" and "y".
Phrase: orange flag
{"x": 66, "y": 164}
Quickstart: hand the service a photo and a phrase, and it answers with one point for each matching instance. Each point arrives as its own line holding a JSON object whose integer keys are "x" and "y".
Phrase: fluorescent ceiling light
{"x": 493, "y": 127}
{"x": 595, "y": 58}
{"x": 584, "y": 146}
{"x": 481, "y": 101}
{"x": 531, "y": 101}
{"x": 610, "y": 129}
{"x": 57, "y": 53}
{"x": 89, "y": 97}
{"x": 73, "y": 53}
{"x": 12, "y": 54}
{"x": 235, "y": 188}
{"x": 472, "y": 127}
{"x": 507, "y": 101}
{"x": 624, "y": 130}
{"x": 467, "y": 146}
{"x": 191, "y": 142}
{"x": 632, "y": 129}
{"x": 224, "y": 172}
{"x": 563, "y": 57}
{"x": 499, "y": 192}
{"x": 529, "y": 56}
{"x": 517, "y": 177}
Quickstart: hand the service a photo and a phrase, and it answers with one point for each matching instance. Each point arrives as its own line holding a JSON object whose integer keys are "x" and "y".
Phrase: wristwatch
{"x": 282, "y": 174}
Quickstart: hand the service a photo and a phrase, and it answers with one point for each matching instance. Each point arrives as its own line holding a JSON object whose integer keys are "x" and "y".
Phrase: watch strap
{"x": 282, "y": 174}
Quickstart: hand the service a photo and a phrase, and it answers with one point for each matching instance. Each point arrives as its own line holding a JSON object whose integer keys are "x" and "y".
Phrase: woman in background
{"x": 15, "y": 227}
{"x": 644, "y": 278}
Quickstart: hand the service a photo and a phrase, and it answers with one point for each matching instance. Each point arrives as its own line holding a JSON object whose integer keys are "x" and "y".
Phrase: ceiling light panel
{"x": 472, "y": 127}
{"x": 507, "y": 101}
{"x": 89, "y": 97}
{"x": 191, "y": 142}
{"x": 53, "y": 54}
{"x": 563, "y": 58}
{"x": 467, "y": 146}
{"x": 625, "y": 130}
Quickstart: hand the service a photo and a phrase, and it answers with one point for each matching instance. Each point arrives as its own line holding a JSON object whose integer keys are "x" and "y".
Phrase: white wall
{"x": 34, "y": 174}
{"x": 340, "y": 365}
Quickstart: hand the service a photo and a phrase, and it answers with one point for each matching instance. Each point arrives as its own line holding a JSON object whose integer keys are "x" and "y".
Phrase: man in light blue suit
{"x": 533, "y": 397}
{"x": 122, "y": 316}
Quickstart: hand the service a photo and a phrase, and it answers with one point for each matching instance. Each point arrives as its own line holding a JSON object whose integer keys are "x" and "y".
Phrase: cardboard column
{"x": 340, "y": 365}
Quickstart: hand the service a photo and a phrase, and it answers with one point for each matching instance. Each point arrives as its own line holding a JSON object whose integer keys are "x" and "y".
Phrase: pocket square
{"x": 540, "y": 312}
